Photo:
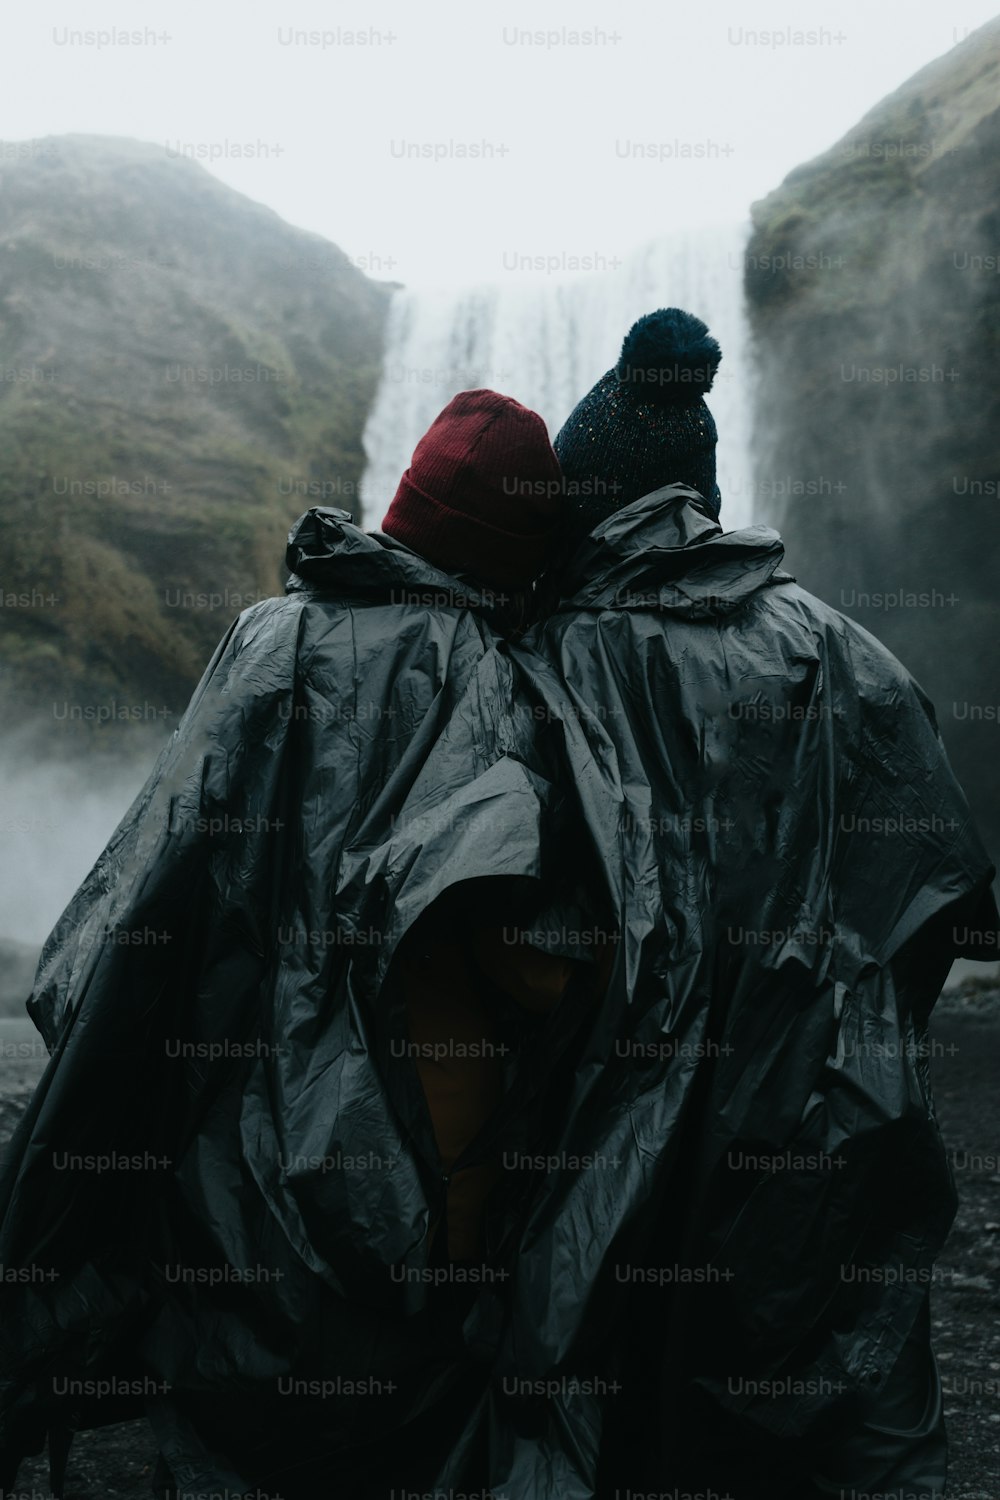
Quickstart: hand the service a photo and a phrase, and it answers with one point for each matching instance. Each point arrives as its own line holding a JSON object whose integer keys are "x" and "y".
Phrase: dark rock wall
{"x": 873, "y": 280}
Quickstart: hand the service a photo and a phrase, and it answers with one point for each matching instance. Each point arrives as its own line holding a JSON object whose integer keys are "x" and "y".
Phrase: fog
{"x": 595, "y": 129}
{"x": 55, "y": 818}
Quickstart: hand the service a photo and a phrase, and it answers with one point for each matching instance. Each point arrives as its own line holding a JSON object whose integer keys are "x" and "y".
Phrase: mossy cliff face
{"x": 873, "y": 280}
{"x": 181, "y": 372}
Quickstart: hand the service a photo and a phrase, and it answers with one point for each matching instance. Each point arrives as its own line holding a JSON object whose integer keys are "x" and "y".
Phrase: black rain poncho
{"x": 179, "y": 995}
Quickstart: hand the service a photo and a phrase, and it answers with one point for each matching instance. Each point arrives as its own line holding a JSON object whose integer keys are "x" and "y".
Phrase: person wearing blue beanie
{"x": 645, "y": 423}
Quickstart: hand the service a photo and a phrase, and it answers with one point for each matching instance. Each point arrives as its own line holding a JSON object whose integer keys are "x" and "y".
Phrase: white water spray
{"x": 547, "y": 341}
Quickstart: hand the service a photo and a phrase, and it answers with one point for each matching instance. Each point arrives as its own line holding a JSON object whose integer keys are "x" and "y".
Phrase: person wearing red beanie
{"x": 300, "y": 744}
{"x": 483, "y": 491}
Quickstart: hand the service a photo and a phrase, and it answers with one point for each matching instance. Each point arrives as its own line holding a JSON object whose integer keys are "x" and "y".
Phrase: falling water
{"x": 546, "y": 341}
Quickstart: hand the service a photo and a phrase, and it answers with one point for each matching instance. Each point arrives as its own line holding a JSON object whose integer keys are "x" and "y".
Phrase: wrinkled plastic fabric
{"x": 753, "y": 794}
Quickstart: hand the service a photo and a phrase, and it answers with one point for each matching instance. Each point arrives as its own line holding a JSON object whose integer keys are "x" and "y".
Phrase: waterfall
{"x": 546, "y": 341}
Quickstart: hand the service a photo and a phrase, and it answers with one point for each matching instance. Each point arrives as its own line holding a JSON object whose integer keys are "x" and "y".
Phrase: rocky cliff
{"x": 874, "y": 294}
{"x": 181, "y": 374}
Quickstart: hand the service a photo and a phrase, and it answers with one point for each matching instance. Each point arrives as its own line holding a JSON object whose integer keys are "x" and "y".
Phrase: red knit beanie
{"x": 483, "y": 492}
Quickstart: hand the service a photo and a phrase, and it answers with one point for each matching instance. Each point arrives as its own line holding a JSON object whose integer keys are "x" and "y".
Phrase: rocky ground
{"x": 966, "y": 1070}
{"x": 116, "y": 1463}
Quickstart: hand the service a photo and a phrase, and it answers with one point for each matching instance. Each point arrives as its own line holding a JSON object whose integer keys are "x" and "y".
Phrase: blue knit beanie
{"x": 645, "y": 423}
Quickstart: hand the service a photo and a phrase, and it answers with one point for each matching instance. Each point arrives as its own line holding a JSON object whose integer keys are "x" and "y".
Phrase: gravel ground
{"x": 115, "y": 1463}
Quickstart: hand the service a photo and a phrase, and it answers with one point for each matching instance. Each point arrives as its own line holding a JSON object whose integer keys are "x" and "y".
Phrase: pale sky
{"x": 723, "y": 114}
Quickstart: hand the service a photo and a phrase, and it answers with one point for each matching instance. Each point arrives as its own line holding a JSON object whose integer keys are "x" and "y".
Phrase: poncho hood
{"x": 665, "y": 552}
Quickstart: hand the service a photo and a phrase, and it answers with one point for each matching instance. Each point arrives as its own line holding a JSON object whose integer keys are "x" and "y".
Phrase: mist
{"x": 55, "y": 818}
